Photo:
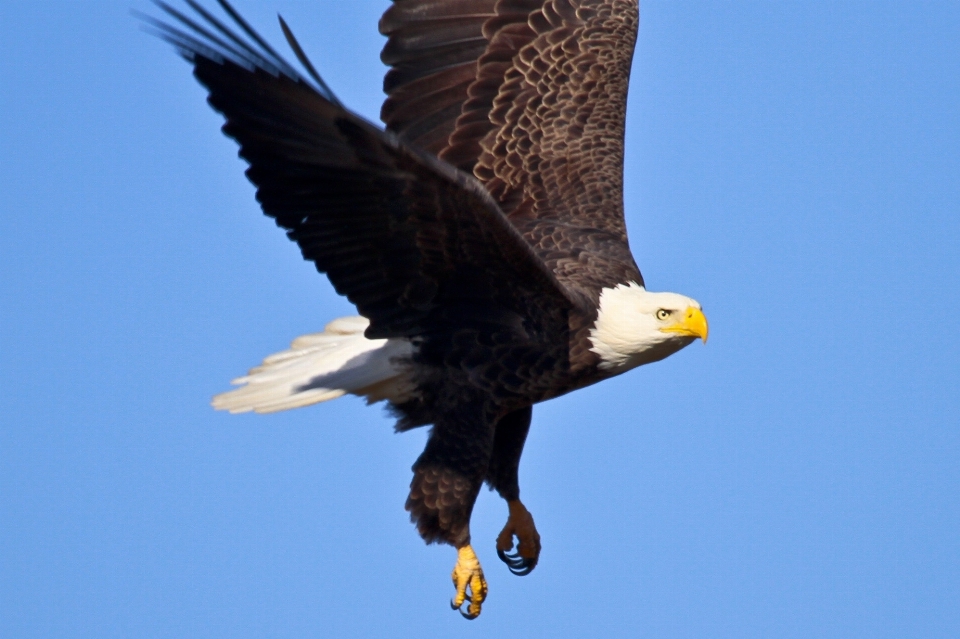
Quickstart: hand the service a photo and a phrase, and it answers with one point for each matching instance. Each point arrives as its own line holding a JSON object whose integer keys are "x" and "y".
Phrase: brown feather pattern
{"x": 541, "y": 124}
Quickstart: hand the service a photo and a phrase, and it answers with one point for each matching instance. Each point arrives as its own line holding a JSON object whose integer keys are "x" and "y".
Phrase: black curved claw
{"x": 465, "y": 615}
{"x": 520, "y": 566}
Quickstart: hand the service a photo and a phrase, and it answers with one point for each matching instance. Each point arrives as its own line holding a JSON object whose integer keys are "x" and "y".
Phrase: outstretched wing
{"x": 537, "y": 115}
{"x": 416, "y": 245}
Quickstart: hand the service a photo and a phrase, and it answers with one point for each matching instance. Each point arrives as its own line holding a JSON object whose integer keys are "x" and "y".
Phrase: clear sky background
{"x": 795, "y": 166}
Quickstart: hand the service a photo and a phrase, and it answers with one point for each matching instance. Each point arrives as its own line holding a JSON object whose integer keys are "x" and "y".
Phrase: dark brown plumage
{"x": 481, "y": 228}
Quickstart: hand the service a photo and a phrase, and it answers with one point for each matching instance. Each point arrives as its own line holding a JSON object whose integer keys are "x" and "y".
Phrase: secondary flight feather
{"x": 481, "y": 236}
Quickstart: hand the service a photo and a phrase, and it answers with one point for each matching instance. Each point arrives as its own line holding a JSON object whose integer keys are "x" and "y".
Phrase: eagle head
{"x": 635, "y": 326}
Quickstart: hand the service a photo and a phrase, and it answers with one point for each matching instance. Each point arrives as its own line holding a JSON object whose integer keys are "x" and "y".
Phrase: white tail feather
{"x": 324, "y": 366}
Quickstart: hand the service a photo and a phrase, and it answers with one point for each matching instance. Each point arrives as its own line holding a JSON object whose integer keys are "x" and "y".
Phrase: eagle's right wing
{"x": 530, "y": 96}
{"x": 416, "y": 245}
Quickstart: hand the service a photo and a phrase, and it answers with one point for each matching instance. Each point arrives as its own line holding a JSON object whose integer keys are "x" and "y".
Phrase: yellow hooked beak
{"x": 692, "y": 323}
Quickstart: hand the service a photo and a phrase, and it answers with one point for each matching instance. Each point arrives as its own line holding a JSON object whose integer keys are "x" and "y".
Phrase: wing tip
{"x": 196, "y": 36}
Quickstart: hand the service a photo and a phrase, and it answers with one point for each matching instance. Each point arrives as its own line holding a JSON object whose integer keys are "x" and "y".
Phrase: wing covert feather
{"x": 554, "y": 157}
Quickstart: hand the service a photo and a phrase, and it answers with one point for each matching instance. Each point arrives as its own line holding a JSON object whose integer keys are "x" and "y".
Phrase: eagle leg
{"x": 502, "y": 475}
{"x": 467, "y": 574}
{"x": 446, "y": 480}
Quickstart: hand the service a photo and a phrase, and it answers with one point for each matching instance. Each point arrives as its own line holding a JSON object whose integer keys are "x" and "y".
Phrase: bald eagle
{"x": 481, "y": 236}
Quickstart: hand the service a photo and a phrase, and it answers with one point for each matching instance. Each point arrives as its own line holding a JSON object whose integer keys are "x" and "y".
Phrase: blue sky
{"x": 795, "y": 166}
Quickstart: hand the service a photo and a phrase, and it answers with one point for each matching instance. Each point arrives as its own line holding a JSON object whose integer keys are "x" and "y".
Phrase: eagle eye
{"x": 663, "y": 314}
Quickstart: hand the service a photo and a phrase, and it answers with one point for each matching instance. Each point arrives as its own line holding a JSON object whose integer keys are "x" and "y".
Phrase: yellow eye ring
{"x": 663, "y": 314}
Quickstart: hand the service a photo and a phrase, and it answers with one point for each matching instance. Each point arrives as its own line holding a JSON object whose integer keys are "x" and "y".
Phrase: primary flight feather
{"x": 481, "y": 236}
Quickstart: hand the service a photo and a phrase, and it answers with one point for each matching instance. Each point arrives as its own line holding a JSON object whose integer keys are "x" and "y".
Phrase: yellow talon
{"x": 468, "y": 573}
